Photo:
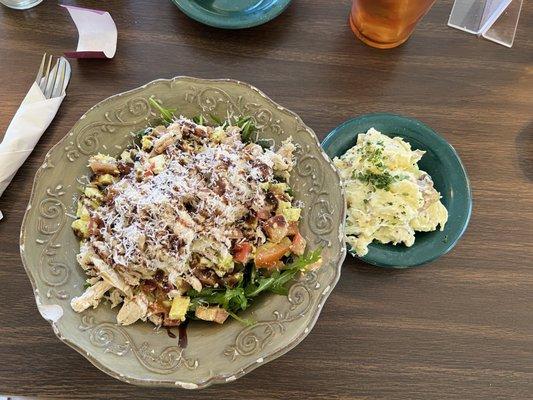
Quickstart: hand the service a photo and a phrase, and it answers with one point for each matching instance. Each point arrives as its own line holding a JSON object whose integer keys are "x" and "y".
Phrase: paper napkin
{"x": 30, "y": 121}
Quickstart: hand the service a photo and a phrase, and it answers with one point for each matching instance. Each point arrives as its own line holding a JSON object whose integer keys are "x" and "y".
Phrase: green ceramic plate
{"x": 138, "y": 353}
{"x": 232, "y": 14}
{"x": 440, "y": 161}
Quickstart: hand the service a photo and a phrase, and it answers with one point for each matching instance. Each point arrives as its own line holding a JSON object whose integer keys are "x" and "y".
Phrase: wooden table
{"x": 460, "y": 328}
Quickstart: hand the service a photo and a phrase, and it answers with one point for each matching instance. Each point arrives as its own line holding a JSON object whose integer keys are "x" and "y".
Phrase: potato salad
{"x": 388, "y": 197}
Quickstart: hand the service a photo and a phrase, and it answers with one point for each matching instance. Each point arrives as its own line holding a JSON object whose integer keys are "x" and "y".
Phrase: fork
{"x": 51, "y": 81}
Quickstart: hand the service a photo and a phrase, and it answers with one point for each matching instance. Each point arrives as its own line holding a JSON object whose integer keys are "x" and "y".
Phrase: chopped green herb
{"x": 379, "y": 181}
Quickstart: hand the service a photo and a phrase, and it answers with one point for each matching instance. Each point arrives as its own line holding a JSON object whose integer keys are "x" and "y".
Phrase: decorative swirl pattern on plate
{"x": 254, "y": 338}
{"x": 86, "y": 141}
{"x": 51, "y": 221}
{"x": 115, "y": 340}
{"x": 211, "y": 100}
{"x": 320, "y": 215}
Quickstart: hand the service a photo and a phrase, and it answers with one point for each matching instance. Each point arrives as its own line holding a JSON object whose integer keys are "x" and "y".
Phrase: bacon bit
{"x": 148, "y": 286}
{"x": 171, "y": 322}
{"x": 124, "y": 168}
{"x": 231, "y": 280}
{"x": 242, "y": 252}
{"x": 159, "y": 276}
{"x": 293, "y": 228}
{"x": 276, "y": 228}
{"x": 263, "y": 214}
{"x": 206, "y": 276}
{"x": 200, "y": 132}
{"x": 95, "y": 223}
{"x": 298, "y": 244}
{"x": 158, "y": 308}
{"x": 219, "y": 187}
{"x": 167, "y": 287}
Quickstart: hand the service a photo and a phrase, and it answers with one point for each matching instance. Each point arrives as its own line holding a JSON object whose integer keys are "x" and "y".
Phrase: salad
{"x": 192, "y": 222}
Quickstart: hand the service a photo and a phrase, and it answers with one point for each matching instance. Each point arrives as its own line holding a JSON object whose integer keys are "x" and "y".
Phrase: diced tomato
{"x": 241, "y": 252}
{"x": 148, "y": 172}
{"x": 293, "y": 228}
{"x": 269, "y": 253}
{"x": 298, "y": 244}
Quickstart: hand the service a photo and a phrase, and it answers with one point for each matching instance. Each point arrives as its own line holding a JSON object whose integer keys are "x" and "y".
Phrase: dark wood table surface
{"x": 460, "y": 328}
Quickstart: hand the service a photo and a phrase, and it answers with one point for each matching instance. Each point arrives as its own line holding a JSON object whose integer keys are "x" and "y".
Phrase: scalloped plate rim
{"x": 215, "y": 379}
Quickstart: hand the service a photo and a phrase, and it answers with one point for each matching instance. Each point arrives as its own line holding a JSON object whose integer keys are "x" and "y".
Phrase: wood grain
{"x": 461, "y": 328}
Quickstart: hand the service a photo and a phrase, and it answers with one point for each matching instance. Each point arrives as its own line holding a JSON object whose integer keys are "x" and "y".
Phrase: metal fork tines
{"x": 50, "y": 79}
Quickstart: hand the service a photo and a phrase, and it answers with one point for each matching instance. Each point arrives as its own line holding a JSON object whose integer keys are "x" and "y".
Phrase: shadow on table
{"x": 524, "y": 149}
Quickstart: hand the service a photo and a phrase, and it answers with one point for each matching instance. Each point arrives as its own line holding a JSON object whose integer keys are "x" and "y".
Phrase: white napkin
{"x": 30, "y": 121}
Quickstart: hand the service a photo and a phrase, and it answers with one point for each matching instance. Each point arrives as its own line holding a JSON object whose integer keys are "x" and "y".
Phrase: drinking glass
{"x": 20, "y": 4}
{"x": 386, "y": 23}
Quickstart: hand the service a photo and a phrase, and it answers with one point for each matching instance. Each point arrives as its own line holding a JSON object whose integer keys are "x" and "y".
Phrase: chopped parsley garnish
{"x": 379, "y": 181}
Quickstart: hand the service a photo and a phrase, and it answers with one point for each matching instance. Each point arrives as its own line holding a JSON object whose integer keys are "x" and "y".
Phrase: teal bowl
{"x": 443, "y": 165}
{"x": 232, "y": 14}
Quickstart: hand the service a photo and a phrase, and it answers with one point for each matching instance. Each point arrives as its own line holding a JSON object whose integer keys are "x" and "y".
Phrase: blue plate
{"x": 443, "y": 165}
{"x": 232, "y": 14}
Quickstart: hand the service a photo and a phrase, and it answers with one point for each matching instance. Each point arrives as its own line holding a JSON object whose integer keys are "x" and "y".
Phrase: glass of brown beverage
{"x": 386, "y": 23}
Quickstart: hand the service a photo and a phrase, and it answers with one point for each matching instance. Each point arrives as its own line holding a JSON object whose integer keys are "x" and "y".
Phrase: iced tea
{"x": 386, "y": 23}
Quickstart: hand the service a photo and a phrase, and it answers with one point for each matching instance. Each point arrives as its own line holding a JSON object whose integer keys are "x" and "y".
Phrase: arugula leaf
{"x": 216, "y": 120}
{"x": 280, "y": 286}
{"x": 244, "y": 321}
{"x": 247, "y": 128}
{"x": 166, "y": 114}
{"x": 263, "y": 283}
{"x": 238, "y": 298}
{"x": 199, "y": 119}
{"x": 265, "y": 143}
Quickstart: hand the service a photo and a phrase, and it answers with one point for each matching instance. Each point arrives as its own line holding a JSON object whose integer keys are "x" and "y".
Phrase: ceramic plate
{"x": 232, "y": 14}
{"x": 138, "y": 353}
{"x": 443, "y": 165}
